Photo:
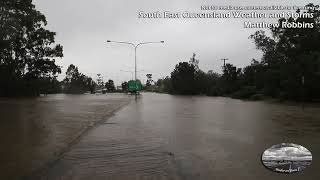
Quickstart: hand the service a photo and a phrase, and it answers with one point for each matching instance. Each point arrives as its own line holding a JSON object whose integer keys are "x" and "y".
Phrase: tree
{"x": 27, "y": 49}
{"x": 290, "y": 55}
{"x": 201, "y": 82}
{"x": 187, "y": 78}
{"x": 253, "y": 75}
{"x": 124, "y": 86}
{"x": 110, "y": 85}
{"x": 183, "y": 78}
{"x": 76, "y": 82}
{"x": 149, "y": 80}
{"x": 90, "y": 84}
{"x": 230, "y": 78}
{"x": 195, "y": 62}
{"x": 213, "y": 80}
{"x": 72, "y": 74}
{"x": 50, "y": 85}
{"x": 100, "y": 81}
{"x": 289, "y": 68}
{"x": 164, "y": 85}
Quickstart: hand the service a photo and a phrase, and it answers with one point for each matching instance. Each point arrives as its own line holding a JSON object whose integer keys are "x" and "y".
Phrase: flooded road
{"x": 35, "y": 131}
{"x": 177, "y": 137}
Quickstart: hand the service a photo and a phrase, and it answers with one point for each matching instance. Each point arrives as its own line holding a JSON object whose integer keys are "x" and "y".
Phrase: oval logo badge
{"x": 287, "y": 158}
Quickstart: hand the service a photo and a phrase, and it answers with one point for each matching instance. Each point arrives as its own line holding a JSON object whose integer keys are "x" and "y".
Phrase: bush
{"x": 245, "y": 92}
{"x": 214, "y": 91}
{"x": 257, "y": 97}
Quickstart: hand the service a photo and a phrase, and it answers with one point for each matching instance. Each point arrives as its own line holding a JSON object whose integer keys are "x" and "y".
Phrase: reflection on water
{"x": 177, "y": 137}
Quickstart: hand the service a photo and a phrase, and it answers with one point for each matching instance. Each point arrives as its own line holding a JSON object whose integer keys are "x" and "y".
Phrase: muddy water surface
{"x": 178, "y": 137}
{"x": 34, "y": 131}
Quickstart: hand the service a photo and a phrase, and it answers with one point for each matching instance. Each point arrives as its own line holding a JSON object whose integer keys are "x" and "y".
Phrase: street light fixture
{"x": 131, "y": 72}
{"x": 135, "y": 46}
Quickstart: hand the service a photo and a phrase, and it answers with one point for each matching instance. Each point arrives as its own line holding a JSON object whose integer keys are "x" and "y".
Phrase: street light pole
{"x": 135, "y": 46}
{"x": 135, "y": 63}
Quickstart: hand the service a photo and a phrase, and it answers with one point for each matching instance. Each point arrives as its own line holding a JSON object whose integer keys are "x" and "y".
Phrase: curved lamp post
{"x": 130, "y": 72}
{"x": 135, "y": 51}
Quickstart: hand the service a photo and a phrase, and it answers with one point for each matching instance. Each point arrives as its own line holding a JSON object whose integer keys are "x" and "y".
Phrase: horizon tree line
{"x": 289, "y": 68}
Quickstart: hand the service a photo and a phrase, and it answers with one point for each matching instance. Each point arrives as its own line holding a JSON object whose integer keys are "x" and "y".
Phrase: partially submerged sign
{"x": 287, "y": 158}
{"x": 134, "y": 85}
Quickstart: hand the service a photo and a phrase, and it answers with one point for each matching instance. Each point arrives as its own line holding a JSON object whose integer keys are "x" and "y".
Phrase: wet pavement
{"x": 176, "y": 137}
{"x": 36, "y": 131}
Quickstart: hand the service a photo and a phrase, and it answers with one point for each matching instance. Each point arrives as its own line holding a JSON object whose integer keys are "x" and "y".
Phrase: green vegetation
{"x": 289, "y": 69}
{"x": 110, "y": 86}
{"x": 27, "y": 51}
{"x": 77, "y": 83}
{"x": 124, "y": 86}
{"x": 28, "y": 54}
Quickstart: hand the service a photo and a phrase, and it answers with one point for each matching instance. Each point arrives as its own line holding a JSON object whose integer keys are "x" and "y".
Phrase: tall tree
{"x": 27, "y": 50}
{"x": 110, "y": 85}
{"x": 183, "y": 78}
{"x": 149, "y": 80}
{"x": 76, "y": 82}
{"x": 124, "y": 86}
{"x": 291, "y": 55}
{"x": 194, "y": 61}
{"x": 230, "y": 78}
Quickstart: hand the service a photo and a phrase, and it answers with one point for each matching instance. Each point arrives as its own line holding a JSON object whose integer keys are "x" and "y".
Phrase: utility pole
{"x": 224, "y": 62}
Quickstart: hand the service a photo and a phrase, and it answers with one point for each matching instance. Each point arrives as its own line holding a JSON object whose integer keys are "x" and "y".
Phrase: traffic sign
{"x": 134, "y": 85}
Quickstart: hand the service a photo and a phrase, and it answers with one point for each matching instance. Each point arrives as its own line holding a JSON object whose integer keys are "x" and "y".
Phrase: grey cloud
{"x": 83, "y": 27}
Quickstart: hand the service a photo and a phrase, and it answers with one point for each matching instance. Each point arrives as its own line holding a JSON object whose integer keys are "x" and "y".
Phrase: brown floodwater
{"x": 156, "y": 137}
{"x": 177, "y": 137}
{"x": 35, "y": 131}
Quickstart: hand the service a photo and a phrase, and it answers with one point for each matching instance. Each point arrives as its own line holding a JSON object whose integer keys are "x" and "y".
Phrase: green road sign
{"x": 134, "y": 85}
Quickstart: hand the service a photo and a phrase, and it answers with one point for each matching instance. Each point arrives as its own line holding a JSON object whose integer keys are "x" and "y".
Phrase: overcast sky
{"x": 287, "y": 151}
{"x": 83, "y": 27}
